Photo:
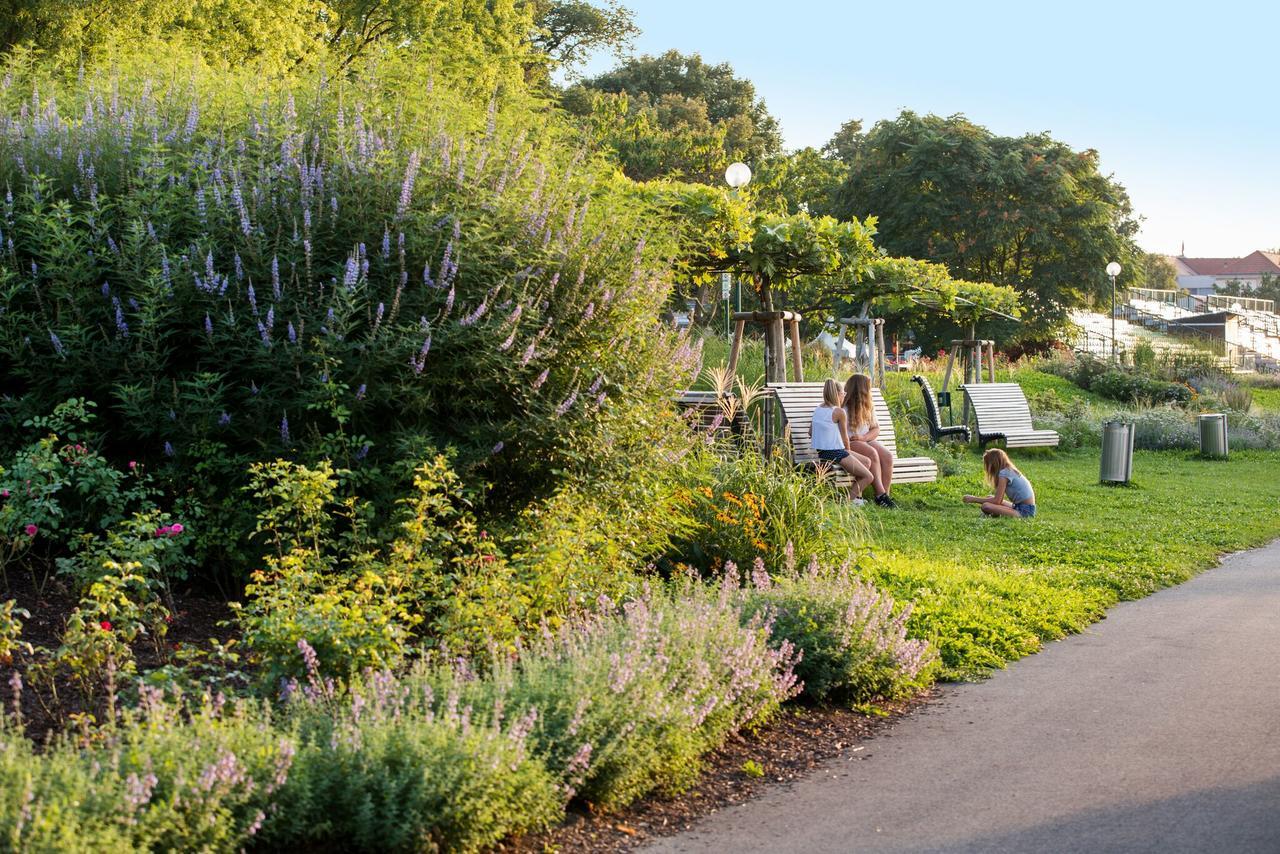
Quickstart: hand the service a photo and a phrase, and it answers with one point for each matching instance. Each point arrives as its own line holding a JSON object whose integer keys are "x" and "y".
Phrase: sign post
{"x": 725, "y": 287}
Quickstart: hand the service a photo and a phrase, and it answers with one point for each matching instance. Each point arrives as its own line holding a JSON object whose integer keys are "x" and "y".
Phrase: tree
{"x": 280, "y": 34}
{"x": 1158, "y": 272}
{"x": 846, "y": 142}
{"x": 1022, "y": 211}
{"x": 684, "y": 119}
{"x": 802, "y": 181}
{"x": 569, "y": 31}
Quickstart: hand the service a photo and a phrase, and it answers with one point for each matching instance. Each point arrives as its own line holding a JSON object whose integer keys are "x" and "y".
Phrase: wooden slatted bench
{"x": 702, "y": 409}
{"x": 798, "y": 400}
{"x": 937, "y": 432}
{"x": 1003, "y": 415}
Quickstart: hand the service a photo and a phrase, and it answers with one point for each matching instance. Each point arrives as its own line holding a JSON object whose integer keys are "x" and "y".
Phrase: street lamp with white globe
{"x": 1113, "y": 270}
{"x": 737, "y": 176}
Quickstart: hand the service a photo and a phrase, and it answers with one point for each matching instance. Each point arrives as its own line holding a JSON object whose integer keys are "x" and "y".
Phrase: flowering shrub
{"x": 628, "y": 702}
{"x": 164, "y": 778}
{"x": 608, "y": 708}
{"x": 851, "y": 636}
{"x": 384, "y": 767}
{"x": 118, "y": 610}
{"x": 746, "y": 506}
{"x": 357, "y": 268}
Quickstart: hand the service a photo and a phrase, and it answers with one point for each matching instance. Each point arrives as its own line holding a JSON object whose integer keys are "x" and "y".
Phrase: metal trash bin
{"x": 1117, "y": 452}
{"x": 1213, "y": 436}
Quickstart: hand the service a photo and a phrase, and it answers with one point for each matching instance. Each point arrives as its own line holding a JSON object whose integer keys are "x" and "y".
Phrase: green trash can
{"x": 1117, "y": 452}
{"x": 1213, "y": 436}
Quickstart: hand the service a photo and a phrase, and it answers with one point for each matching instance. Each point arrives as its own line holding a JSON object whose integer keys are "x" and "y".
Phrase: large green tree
{"x": 534, "y": 35}
{"x": 1026, "y": 211}
{"x": 676, "y": 116}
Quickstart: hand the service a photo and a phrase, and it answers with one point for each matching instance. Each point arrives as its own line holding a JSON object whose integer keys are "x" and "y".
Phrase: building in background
{"x": 1202, "y": 276}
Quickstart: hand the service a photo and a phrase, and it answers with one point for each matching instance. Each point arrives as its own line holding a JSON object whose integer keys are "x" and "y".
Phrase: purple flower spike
{"x": 284, "y": 429}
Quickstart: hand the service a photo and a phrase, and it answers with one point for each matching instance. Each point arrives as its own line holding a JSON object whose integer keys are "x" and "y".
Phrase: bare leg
{"x": 993, "y": 509}
{"x": 857, "y": 469}
{"x": 886, "y": 465}
{"x": 868, "y": 451}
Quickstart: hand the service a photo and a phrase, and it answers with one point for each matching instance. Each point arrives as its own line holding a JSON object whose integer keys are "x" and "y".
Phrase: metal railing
{"x": 1237, "y": 356}
{"x": 1219, "y": 302}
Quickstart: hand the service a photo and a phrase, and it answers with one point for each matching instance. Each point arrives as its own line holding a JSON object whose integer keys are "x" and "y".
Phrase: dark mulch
{"x": 791, "y": 747}
{"x": 196, "y": 620}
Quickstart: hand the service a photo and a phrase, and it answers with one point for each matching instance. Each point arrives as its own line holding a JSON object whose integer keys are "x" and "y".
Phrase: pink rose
{"x": 4, "y": 493}
{"x": 31, "y": 530}
{"x": 176, "y": 528}
{"x": 133, "y": 464}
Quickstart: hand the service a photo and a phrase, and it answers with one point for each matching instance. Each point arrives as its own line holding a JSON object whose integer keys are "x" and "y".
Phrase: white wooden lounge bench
{"x": 798, "y": 400}
{"x": 1003, "y": 415}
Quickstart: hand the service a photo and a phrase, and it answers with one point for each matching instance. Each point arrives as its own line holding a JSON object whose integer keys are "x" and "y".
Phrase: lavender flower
{"x": 360, "y": 392}
{"x": 208, "y": 326}
{"x": 168, "y": 450}
{"x": 362, "y": 452}
{"x": 542, "y": 378}
{"x": 293, "y": 334}
{"x": 567, "y": 403}
{"x": 57, "y": 342}
{"x": 284, "y": 429}
{"x": 224, "y": 420}
{"x": 497, "y": 449}
{"x": 406, "y": 187}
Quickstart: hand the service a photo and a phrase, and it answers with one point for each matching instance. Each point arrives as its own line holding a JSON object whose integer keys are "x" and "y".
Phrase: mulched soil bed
{"x": 195, "y": 621}
{"x": 795, "y": 744}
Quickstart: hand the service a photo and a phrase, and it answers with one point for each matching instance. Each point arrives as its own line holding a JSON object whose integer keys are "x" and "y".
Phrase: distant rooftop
{"x": 1252, "y": 264}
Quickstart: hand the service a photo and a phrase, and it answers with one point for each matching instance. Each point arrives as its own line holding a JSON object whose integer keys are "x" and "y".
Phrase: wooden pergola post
{"x": 775, "y": 363}
{"x": 868, "y": 333}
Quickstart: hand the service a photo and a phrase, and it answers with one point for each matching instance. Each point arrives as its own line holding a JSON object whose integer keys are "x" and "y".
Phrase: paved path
{"x": 1157, "y": 730}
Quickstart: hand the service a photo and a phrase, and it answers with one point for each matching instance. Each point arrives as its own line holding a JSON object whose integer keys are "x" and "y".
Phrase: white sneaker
{"x": 858, "y": 502}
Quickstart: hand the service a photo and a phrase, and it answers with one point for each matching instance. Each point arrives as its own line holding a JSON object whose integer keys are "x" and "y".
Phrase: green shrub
{"x": 355, "y": 267}
{"x": 382, "y": 767}
{"x": 165, "y": 778}
{"x": 1136, "y": 388}
{"x": 745, "y": 505}
{"x": 629, "y": 701}
{"x": 851, "y": 637}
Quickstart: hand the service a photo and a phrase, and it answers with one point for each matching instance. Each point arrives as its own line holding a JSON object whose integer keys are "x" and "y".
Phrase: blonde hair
{"x": 831, "y": 393}
{"x": 857, "y": 402}
{"x": 993, "y": 461}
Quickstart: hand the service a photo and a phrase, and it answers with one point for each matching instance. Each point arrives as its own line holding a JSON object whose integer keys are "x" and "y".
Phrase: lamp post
{"x": 737, "y": 176}
{"x": 1113, "y": 270}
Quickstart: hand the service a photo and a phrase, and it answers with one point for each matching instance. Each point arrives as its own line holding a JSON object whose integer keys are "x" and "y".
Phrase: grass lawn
{"x": 1266, "y": 399}
{"x": 988, "y": 591}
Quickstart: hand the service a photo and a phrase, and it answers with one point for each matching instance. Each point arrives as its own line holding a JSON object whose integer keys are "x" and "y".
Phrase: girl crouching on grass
{"x": 829, "y": 436}
{"x": 1013, "y": 494}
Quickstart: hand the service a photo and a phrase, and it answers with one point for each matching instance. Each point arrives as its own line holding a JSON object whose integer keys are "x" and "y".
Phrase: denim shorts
{"x": 833, "y": 455}
{"x": 1026, "y": 511}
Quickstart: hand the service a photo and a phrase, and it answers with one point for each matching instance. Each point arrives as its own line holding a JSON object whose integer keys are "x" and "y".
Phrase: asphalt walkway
{"x": 1157, "y": 730}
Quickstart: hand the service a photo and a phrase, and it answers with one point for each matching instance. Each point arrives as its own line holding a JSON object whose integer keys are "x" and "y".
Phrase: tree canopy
{"x": 1026, "y": 211}
{"x": 676, "y": 116}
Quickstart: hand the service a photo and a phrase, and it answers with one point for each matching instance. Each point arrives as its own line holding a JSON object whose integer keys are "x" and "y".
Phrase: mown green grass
{"x": 1266, "y": 399}
{"x": 988, "y": 591}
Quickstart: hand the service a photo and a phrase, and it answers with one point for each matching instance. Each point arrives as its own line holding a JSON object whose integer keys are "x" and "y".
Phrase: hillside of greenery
{"x": 345, "y": 498}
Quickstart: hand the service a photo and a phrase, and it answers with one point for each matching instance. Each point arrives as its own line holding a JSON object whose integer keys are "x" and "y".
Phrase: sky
{"x": 1180, "y": 100}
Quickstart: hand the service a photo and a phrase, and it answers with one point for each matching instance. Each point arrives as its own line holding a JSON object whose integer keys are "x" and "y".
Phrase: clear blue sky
{"x": 1179, "y": 99}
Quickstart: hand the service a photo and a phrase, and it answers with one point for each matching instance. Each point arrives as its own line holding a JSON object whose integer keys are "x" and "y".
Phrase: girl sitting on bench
{"x": 863, "y": 432}
{"x": 829, "y": 435}
{"x": 1013, "y": 494}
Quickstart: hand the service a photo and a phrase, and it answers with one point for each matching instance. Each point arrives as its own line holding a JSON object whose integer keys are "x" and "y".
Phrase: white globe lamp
{"x": 738, "y": 175}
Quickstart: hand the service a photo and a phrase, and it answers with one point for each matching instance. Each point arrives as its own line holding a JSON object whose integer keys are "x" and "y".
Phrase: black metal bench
{"x": 1002, "y": 414}
{"x": 937, "y": 432}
